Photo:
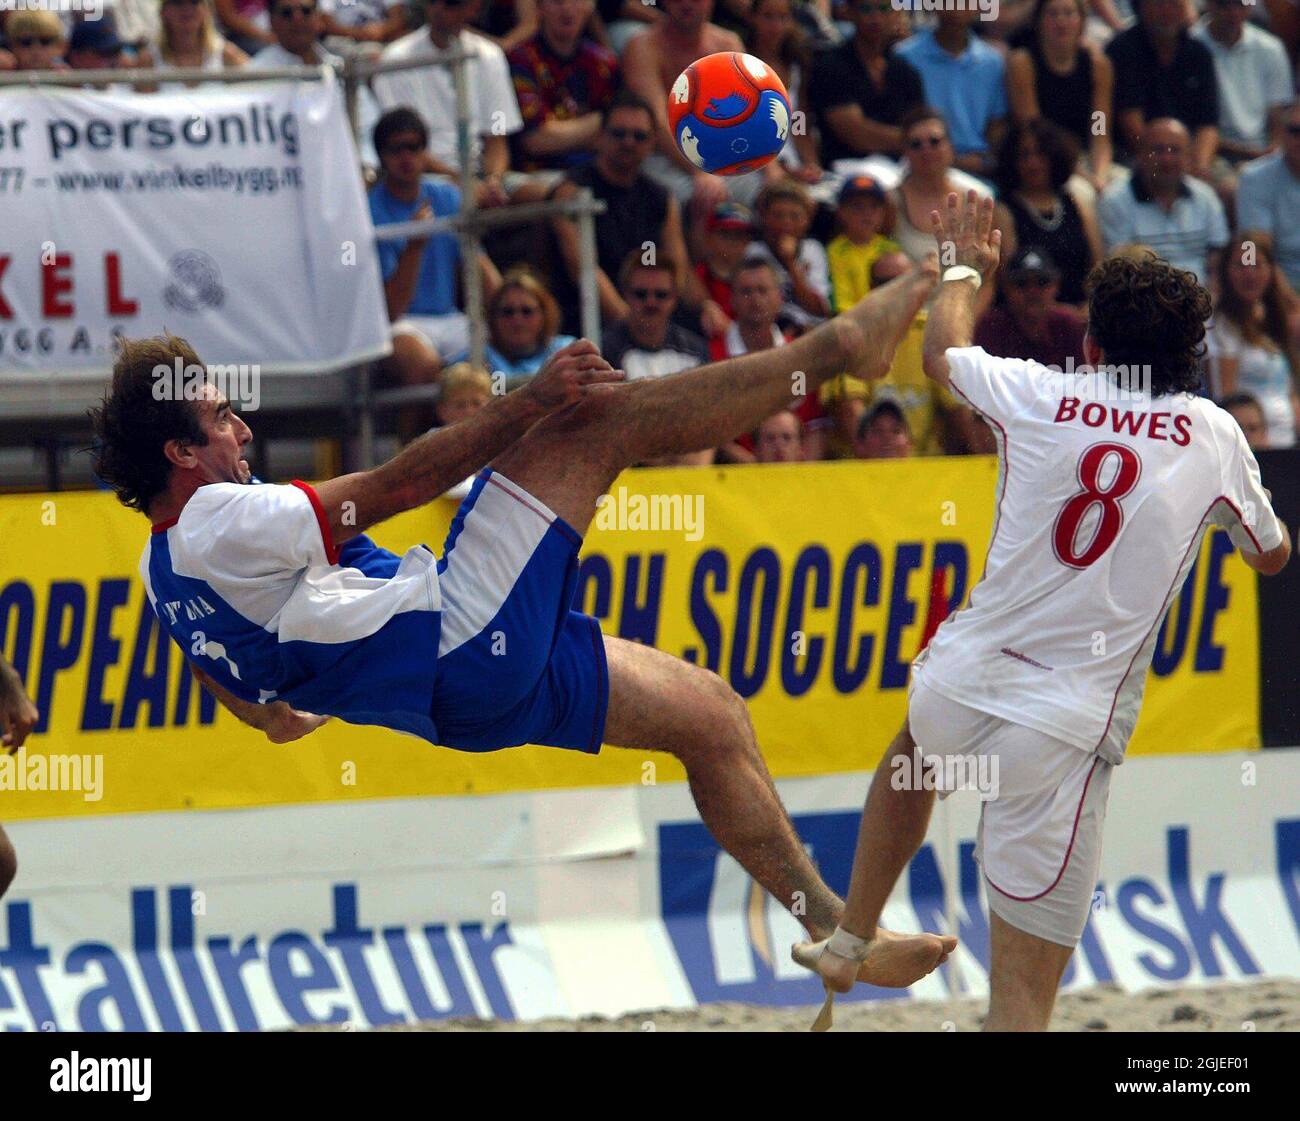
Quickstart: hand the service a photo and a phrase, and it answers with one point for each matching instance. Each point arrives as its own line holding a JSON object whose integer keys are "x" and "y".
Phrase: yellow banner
{"x": 808, "y": 587}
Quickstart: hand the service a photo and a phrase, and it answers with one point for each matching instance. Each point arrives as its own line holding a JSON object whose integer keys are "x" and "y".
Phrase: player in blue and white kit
{"x": 290, "y": 614}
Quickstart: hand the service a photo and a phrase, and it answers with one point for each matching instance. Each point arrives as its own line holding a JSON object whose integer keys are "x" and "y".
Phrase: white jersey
{"x": 1102, "y": 502}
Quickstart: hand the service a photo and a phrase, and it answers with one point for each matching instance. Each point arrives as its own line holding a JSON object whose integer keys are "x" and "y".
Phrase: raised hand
{"x": 966, "y": 235}
{"x": 568, "y": 374}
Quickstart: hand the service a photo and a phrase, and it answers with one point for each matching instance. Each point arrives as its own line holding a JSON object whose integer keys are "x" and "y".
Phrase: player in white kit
{"x": 1109, "y": 477}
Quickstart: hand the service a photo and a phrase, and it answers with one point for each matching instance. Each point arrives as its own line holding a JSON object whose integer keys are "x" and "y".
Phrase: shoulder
{"x": 720, "y": 39}
{"x": 442, "y": 194}
{"x": 1203, "y": 193}
{"x": 1020, "y": 63}
{"x": 480, "y": 45}
{"x": 595, "y": 54}
{"x": 1257, "y": 170}
{"x": 1264, "y": 42}
{"x": 913, "y": 46}
{"x": 988, "y": 58}
{"x": 1195, "y": 50}
{"x": 526, "y": 55}
{"x": 408, "y": 46}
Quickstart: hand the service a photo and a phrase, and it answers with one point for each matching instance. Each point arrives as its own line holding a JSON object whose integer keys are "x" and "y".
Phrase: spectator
{"x": 936, "y": 420}
{"x": 419, "y": 274}
{"x": 138, "y": 23}
{"x": 247, "y": 23}
{"x": 1162, "y": 72}
{"x": 640, "y": 215}
{"x": 523, "y": 321}
{"x": 883, "y": 432}
{"x": 372, "y": 22}
{"x": 1249, "y": 415}
{"x": 429, "y": 90}
{"x": 508, "y": 23}
{"x": 863, "y": 212}
{"x": 1248, "y": 343}
{"x": 1032, "y": 323}
{"x": 861, "y": 90}
{"x": 757, "y": 299}
{"x": 779, "y": 439}
{"x": 94, "y": 45}
{"x": 1162, "y": 206}
{"x": 930, "y": 179}
{"x": 647, "y": 343}
{"x": 1060, "y": 78}
{"x": 36, "y": 38}
{"x": 1255, "y": 83}
{"x": 622, "y": 20}
{"x": 462, "y": 391}
{"x": 1268, "y": 197}
{"x": 728, "y": 233}
{"x": 964, "y": 79}
{"x": 774, "y": 37}
{"x": 651, "y": 64}
{"x": 1034, "y": 178}
{"x": 785, "y": 214}
{"x": 563, "y": 81}
{"x": 188, "y": 37}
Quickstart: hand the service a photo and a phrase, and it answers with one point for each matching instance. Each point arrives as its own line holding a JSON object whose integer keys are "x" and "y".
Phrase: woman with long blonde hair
{"x": 188, "y": 38}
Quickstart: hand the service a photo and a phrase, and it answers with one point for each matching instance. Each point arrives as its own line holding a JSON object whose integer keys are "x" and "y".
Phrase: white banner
{"x": 597, "y": 901}
{"x": 232, "y": 217}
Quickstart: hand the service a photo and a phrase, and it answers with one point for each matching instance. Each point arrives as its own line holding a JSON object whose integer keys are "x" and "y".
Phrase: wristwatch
{"x": 963, "y": 272}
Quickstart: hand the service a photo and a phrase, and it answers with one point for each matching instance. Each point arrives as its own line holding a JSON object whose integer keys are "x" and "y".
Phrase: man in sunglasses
{"x": 36, "y": 40}
{"x": 1032, "y": 323}
{"x": 1268, "y": 197}
{"x": 430, "y": 91}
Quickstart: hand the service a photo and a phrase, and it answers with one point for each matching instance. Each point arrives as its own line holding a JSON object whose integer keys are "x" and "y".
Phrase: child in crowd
{"x": 863, "y": 214}
{"x": 785, "y": 213}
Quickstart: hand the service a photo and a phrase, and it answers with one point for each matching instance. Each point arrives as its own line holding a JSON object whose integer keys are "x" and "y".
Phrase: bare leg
{"x": 661, "y": 703}
{"x": 892, "y": 829}
{"x": 570, "y": 459}
{"x": 1024, "y": 979}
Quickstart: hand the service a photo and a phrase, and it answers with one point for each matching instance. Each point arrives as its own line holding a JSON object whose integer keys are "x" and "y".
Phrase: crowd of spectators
{"x": 1174, "y": 129}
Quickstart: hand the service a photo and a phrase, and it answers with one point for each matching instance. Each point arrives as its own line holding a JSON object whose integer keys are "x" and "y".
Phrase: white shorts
{"x": 447, "y": 334}
{"x": 1039, "y": 842}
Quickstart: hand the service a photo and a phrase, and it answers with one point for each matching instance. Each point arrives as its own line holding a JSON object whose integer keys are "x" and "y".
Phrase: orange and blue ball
{"x": 729, "y": 113}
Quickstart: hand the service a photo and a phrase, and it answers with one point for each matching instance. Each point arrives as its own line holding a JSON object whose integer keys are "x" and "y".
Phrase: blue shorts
{"x": 516, "y": 664}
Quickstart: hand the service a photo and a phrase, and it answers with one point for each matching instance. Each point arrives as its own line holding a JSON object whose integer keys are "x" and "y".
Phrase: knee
{"x": 8, "y": 863}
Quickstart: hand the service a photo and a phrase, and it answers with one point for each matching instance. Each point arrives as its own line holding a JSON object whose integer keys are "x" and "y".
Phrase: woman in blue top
{"x": 522, "y": 319}
{"x": 1248, "y": 342}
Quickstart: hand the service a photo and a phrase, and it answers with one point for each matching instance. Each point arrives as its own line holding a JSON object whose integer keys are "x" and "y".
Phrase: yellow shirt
{"x": 851, "y": 265}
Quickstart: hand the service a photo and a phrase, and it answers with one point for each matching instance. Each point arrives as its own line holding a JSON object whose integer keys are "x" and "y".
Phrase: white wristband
{"x": 963, "y": 272}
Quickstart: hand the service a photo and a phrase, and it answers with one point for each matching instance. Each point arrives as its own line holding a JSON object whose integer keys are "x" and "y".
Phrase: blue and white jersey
{"x": 251, "y": 585}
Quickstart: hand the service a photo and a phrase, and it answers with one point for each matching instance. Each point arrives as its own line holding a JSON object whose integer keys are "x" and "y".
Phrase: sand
{"x": 1262, "y": 1005}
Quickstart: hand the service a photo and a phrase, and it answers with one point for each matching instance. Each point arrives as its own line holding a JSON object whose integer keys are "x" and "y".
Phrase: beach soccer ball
{"x": 729, "y": 113}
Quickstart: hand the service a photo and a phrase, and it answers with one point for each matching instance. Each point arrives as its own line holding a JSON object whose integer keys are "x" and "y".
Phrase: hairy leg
{"x": 661, "y": 703}
{"x": 570, "y": 459}
{"x": 1025, "y": 976}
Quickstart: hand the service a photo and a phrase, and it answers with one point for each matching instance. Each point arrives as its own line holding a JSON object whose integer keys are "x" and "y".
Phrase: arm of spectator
{"x": 554, "y": 137}
{"x": 231, "y": 56}
{"x": 7, "y": 60}
{"x": 859, "y": 132}
{"x": 496, "y": 157}
{"x": 434, "y": 166}
{"x": 240, "y": 25}
{"x": 810, "y": 168}
{"x": 673, "y": 242}
{"x": 1226, "y": 368}
{"x": 490, "y": 274}
{"x": 733, "y": 452}
{"x": 639, "y": 11}
{"x": 641, "y": 76}
{"x": 786, "y": 251}
{"x": 1091, "y": 228}
{"x": 399, "y": 288}
{"x": 525, "y": 26}
{"x": 1106, "y": 11}
{"x": 612, "y": 305}
{"x": 1101, "y": 148}
{"x": 1132, "y": 122}
{"x": 1021, "y": 91}
{"x": 1205, "y": 143}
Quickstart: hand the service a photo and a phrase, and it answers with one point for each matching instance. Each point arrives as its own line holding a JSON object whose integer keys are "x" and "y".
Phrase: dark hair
{"x": 1240, "y": 401}
{"x": 1146, "y": 314}
{"x": 749, "y": 264}
{"x": 794, "y": 47}
{"x": 625, "y": 99}
{"x": 394, "y": 123}
{"x": 132, "y": 426}
{"x": 919, "y": 113}
{"x": 1273, "y": 331}
{"x": 1040, "y": 9}
{"x": 632, "y": 262}
{"x": 1060, "y": 148}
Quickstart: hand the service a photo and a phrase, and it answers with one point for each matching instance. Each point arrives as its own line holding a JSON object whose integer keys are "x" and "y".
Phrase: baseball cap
{"x": 730, "y": 216}
{"x": 1032, "y": 260}
{"x": 859, "y": 185}
{"x": 879, "y": 407}
{"x": 98, "y": 35}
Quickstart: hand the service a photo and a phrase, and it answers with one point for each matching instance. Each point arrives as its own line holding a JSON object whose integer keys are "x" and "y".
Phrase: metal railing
{"x": 469, "y": 225}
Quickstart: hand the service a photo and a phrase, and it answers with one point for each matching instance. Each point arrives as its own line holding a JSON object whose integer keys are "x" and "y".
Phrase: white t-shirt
{"x": 1059, "y": 632}
{"x": 359, "y": 13}
{"x": 1254, "y": 76}
{"x": 494, "y": 109}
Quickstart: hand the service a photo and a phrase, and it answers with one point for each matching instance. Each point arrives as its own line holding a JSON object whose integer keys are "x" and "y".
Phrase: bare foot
{"x": 870, "y": 331}
{"x": 892, "y": 961}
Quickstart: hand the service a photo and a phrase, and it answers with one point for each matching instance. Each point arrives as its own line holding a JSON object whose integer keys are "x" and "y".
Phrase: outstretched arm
{"x": 277, "y": 720}
{"x": 439, "y": 460}
{"x": 967, "y": 237}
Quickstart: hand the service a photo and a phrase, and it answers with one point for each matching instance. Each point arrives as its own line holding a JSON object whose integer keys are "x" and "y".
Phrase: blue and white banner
{"x": 600, "y": 901}
{"x": 233, "y": 217}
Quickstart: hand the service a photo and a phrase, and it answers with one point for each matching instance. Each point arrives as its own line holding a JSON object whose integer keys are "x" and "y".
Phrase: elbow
{"x": 934, "y": 363}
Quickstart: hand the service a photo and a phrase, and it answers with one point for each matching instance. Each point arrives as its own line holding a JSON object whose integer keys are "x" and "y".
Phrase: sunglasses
{"x": 405, "y": 147}
{"x": 919, "y": 142}
{"x": 652, "y": 293}
{"x": 1293, "y": 130}
{"x": 30, "y": 41}
{"x": 448, "y": 3}
{"x": 640, "y": 135}
{"x": 869, "y": 7}
{"x": 1032, "y": 280}
{"x": 288, "y": 11}
{"x": 522, "y": 311}
{"x": 182, "y": 3}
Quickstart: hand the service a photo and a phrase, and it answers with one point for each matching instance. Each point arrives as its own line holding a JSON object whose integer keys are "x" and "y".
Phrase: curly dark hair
{"x": 132, "y": 425}
{"x": 1060, "y": 148}
{"x": 1146, "y": 314}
